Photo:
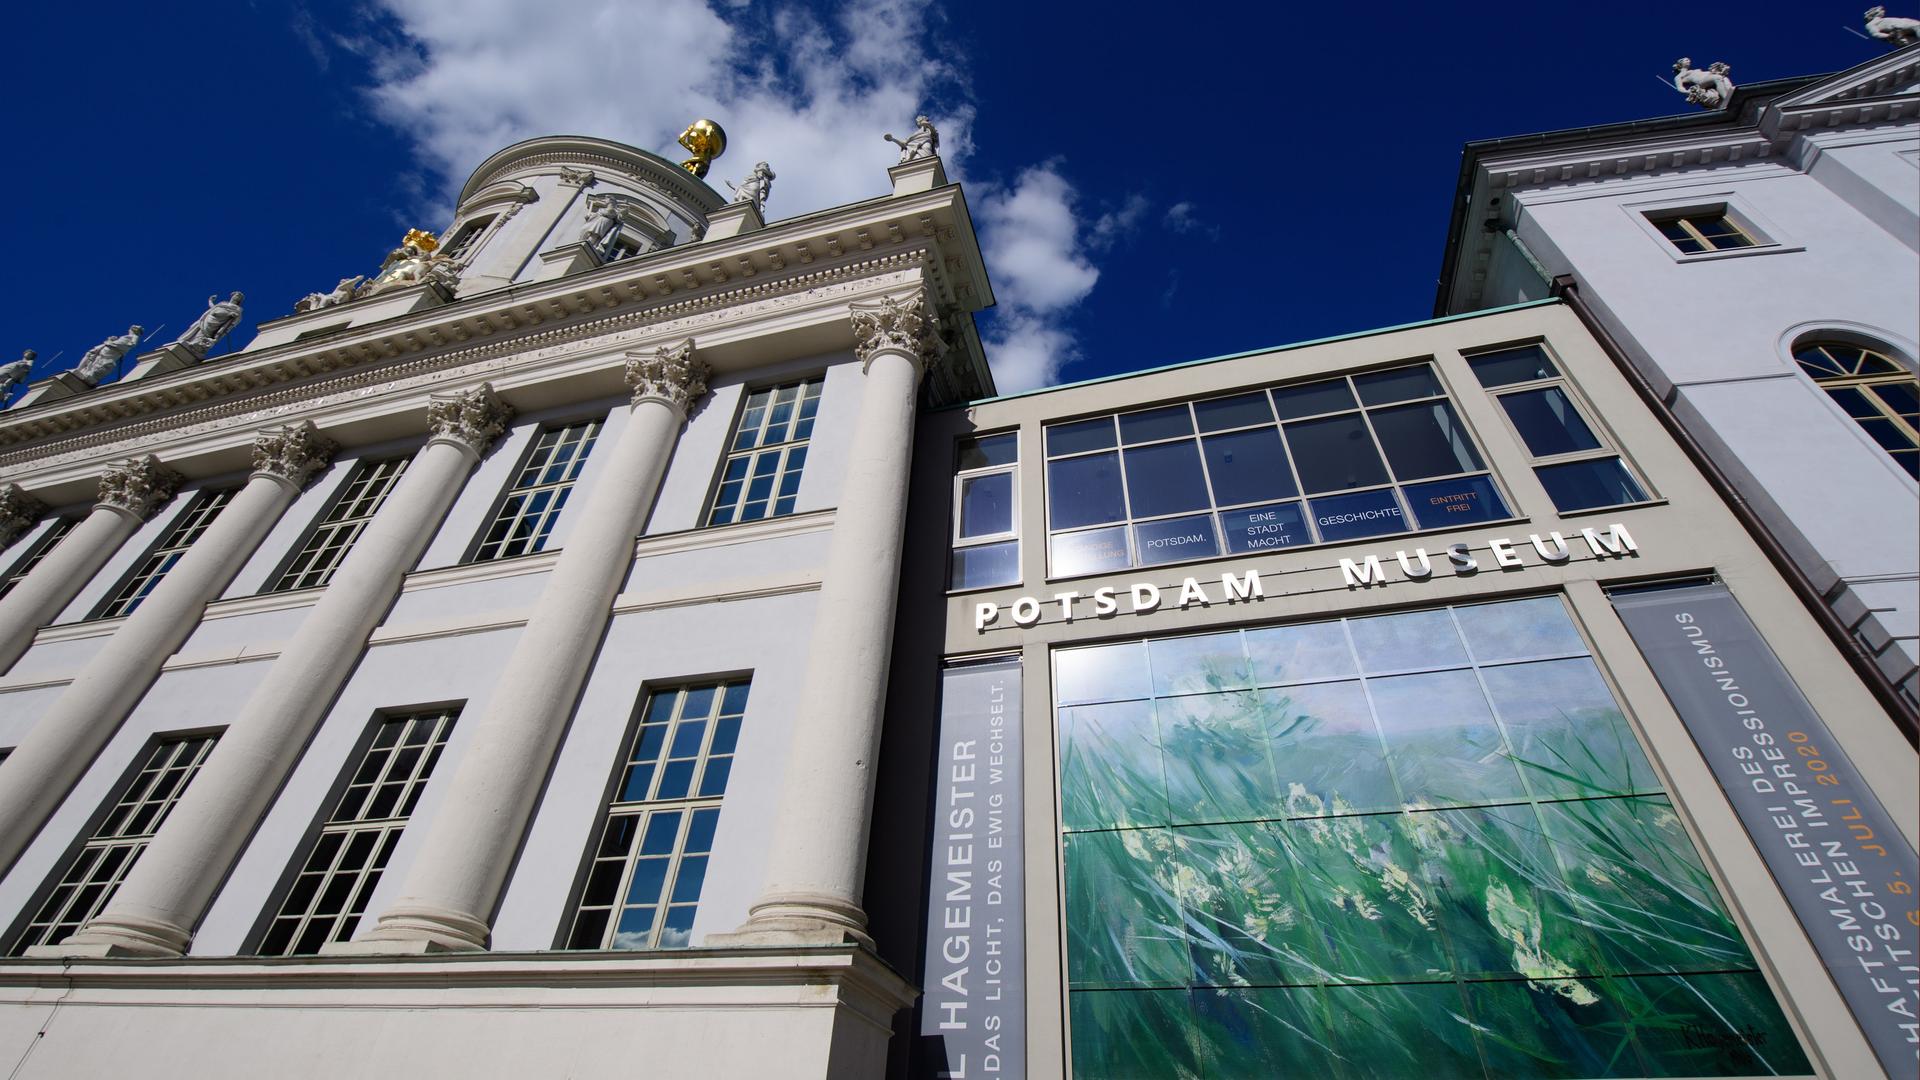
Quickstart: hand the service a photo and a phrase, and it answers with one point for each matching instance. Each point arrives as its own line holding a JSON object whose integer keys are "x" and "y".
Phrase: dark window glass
{"x": 1681, "y": 238}
{"x": 986, "y": 504}
{"x": 1508, "y": 366}
{"x": 1090, "y": 552}
{"x": 989, "y": 450}
{"x": 1231, "y": 412}
{"x": 1349, "y": 517}
{"x": 1460, "y": 501}
{"x": 1261, "y": 527}
{"x": 1548, "y": 422}
{"x": 1424, "y": 440}
{"x": 1082, "y": 435}
{"x": 1176, "y": 539}
{"x": 986, "y": 565}
{"x": 1334, "y": 453}
{"x": 1403, "y": 384}
{"x": 1168, "y": 423}
{"x": 1721, "y": 232}
{"x": 1084, "y": 491}
{"x": 1902, "y": 398}
{"x": 1248, "y": 466}
{"x": 1584, "y": 485}
{"x": 1313, "y": 399}
{"x": 1165, "y": 479}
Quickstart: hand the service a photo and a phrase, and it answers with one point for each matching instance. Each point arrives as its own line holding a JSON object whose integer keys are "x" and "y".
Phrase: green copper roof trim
{"x": 1482, "y": 313}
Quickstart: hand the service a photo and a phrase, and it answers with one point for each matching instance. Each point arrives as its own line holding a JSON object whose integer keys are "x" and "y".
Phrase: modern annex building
{"x": 630, "y": 636}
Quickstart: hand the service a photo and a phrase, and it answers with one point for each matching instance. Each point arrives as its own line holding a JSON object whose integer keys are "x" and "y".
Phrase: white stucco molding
{"x": 1903, "y": 348}
{"x": 1768, "y": 238}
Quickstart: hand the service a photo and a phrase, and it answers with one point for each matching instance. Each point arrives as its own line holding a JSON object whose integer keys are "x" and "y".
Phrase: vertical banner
{"x": 1847, "y": 871}
{"x": 973, "y": 1008}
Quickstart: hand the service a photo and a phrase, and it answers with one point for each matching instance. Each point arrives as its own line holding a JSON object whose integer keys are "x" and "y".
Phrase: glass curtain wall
{"x": 1422, "y": 844}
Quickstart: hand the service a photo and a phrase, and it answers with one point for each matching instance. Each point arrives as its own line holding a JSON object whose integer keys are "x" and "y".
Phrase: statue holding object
{"x": 102, "y": 359}
{"x": 755, "y": 188}
{"x": 602, "y": 226}
{"x": 923, "y": 143}
{"x": 14, "y": 374}
{"x": 1709, "y": 89}
{"x": 213, "y": 324}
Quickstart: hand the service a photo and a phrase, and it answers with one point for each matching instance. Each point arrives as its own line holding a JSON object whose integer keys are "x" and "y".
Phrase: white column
{"x": 18, "y": 512}
{"x": 41, "y": 770}
{"x": 818, "y": 857}
{"x": 447, "y": 899}
{"x": 130, "y": 492}
{"x": 166, "y": 893}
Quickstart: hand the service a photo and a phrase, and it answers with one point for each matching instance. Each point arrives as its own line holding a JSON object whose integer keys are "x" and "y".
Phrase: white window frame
{"x": 1767, "y": 238}
{"x": 1609, "y": 445}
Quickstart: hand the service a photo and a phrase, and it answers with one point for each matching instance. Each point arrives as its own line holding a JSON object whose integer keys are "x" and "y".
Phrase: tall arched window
{"x": 1880, "y": 395}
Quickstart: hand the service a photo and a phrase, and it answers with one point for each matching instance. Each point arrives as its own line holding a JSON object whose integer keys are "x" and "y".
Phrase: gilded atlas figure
{"x": 1892, "y": 29}
{"x": 705, "y": 140}
{"x": 102, "y": 359}
{"x": 1709, "y": 89}
{"x": 923, "y": 143}
{"x": 15, "y": 374}
{"x": 755, "y": 188}
{"x": 213, "y": 324}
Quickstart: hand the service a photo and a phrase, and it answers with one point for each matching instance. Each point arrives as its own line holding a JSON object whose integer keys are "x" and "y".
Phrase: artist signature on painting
{"x": 1701, "y": 1038}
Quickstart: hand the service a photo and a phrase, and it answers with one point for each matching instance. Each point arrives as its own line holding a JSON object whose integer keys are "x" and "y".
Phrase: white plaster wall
{"x": 1876, "y": 172}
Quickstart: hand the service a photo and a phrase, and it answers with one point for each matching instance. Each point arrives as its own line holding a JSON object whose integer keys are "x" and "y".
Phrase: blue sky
{"x": 1153, "y": 183}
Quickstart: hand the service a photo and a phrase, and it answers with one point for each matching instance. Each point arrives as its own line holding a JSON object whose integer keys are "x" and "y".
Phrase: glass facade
{"x": 1422, "y": 844}
{"x": 1338, "y": 459}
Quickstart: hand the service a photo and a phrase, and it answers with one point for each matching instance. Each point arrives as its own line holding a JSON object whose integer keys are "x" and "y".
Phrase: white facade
{"x": 1823, "y": 175}
{"x": 705, "y": 306}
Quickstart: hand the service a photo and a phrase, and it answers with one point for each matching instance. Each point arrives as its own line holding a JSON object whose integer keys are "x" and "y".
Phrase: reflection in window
{"x": 1199, "y": 479}
{"x": 1426, "y": 841}
{"x": 1573, "y": 461}
{"x": 986, "y": 513}
{"x": 645, "y": 872}
{"x": 761, "y": 477}
{"x": 1880, "y": 395}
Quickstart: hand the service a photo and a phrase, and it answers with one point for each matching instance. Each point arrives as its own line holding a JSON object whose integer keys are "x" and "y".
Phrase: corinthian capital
{"x": 138, "y": 486}
{"x": 17, "y": 511}
{"x": 896, "y": 325}
{"x": 669, "y": 374}
{"x": 472, "y": 418}
{"x": 292, "y": 453}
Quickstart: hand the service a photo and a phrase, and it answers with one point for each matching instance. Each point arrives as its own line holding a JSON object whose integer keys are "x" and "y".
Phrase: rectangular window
{"x": 1698, "y": 231}
{"x": 41, "y": 548}
{"x": 1428, "y": 841}
{"x": 761, "y": 477}
{"x": 1332, "y": 460}
{"x": 344, "y": 863}
{"x": 186, "y": 528}
{"x": 326, "y": 548}
{"x": 96, "y": 870}
{"x": 1574, "y": 462}
{"x": 986, "y": 512}
{"x": 643, "y": 883}
{"x": 539, "y": 492}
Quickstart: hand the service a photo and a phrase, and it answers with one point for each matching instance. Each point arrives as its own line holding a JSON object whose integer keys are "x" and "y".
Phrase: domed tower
{"x": 545, "y": 207}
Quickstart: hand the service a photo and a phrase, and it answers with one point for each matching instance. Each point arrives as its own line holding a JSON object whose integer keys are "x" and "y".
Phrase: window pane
{"x": 1200, "y": 664}
{"x": 986, "y": 565}
{"x": 1510, "y": 366}
{"x": 1165, "y": 479}
{"x": 1548, "y": 422}
{"x": 1101, "y": 673}
{"x": 1110, "y": 769}
{"x": 989, "y": 450}
{"x": 1306, "y": 651}
{"x": 1902, "y": 398}
{"x": 1090, "y": 552}
{"x": 1325, "y": 746}
{"x": 1165, "y": 423}
{"x": 1084, "y": 491}
{"x": 1349, "y": 517}
{"x": 1401, "y": 384}
{"x": 1260, "y": 527}
{"x": 1313, "y": 398}
{"x": 1442, "y": 741}
{"x": 1887, "y": 435}
{"x": 1583, "y": 485}
{"x": 1240, "y": 411}
{"x": 1568, "y": 736}
{"x": 1176, "y": 539}
{"x": 1462, "y": 501}
{"x": 1248, "y": 466}
{"x": 986, "y": 505}
{"x": 1406, "y": 642}
{"x": 1080, "y": 435}
{"x": 1518, "y": 629}
{"x": 1424, "y": 440}
{"x": 1335, "y": 453}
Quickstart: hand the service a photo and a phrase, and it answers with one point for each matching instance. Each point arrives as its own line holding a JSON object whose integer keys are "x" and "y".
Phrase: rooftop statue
{"x": 923, "y": 143}
{"x": 213, "y": 324}
{"x": 756, "y": 187}
{"x": 104, "y": 357}
{"x": 1892, "y": 29}
{"x": 341, "y": 293}
{"x": 412, "y": 263}
{"x": 602, "y": 226}
{"x": 12, "y": 375}
{"x": 1709, "y": 89}
{"x": 705, "y": 140}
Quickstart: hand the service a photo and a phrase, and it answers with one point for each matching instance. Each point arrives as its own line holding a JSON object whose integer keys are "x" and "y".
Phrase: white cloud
{"x": 1032, "y": 244}
{"x": 1181, "y": 219}
{"x": 1109, "y": 227}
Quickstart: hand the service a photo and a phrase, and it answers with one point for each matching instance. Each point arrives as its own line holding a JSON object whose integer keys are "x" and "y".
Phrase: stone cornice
{"x": 930, "y": 231}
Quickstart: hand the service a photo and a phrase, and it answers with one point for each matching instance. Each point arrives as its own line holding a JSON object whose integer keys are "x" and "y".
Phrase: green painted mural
{"x": 1415, "y": 845}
